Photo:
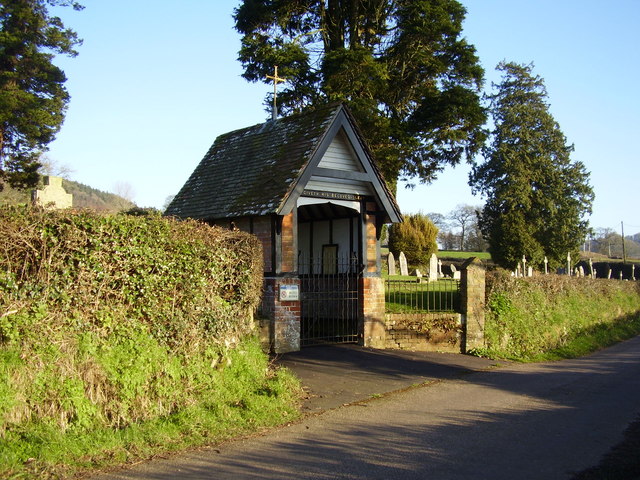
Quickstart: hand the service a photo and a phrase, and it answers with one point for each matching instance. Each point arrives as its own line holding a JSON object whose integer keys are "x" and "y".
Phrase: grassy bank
{"x": 122, "y": 336}
{"x": 551, "y": 317}
{"x": 230, "y": 395}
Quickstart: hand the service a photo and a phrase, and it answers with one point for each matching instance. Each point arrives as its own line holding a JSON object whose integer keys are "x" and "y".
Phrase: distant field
{"x": 458, "y": 254}
{"x": 384, "y": 251}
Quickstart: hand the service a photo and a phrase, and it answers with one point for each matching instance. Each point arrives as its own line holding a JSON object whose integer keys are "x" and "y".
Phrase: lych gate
{"x": 307, "y": 186}
{"x": 330, "y": 270}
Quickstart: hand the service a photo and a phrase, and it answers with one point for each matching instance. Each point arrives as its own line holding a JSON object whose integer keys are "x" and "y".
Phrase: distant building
{"x": 52, "y": 194}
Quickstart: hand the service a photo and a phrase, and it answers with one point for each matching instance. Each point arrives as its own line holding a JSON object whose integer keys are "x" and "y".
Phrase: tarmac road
{"x": 534, "y": 421}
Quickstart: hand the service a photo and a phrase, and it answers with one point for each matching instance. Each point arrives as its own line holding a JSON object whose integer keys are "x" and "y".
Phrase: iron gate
{"x": 329, "y": 303}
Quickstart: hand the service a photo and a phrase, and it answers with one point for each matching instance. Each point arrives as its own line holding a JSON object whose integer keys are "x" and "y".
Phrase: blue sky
{"x": 157, "y": 81}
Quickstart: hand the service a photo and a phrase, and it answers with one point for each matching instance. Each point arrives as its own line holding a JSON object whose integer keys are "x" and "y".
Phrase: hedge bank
{"x": 555, "y": 316}
{"x": 111, "y": 326}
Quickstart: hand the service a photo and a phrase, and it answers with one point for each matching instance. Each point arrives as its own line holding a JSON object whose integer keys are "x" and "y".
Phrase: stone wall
{"x": 424, "y": 331}
{"x": 452, "y": 332}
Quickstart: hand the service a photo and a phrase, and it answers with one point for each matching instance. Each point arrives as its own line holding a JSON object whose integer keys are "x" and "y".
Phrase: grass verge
{"x": 246, "y": 395}
{"x": 553, "y": 317}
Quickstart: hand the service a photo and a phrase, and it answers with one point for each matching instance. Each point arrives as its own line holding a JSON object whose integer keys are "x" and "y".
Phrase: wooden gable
{"x": 343, "y": 168}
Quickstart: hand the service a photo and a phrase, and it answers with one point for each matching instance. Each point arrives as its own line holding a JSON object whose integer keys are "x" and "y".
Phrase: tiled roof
{"x": 251, "y": 171}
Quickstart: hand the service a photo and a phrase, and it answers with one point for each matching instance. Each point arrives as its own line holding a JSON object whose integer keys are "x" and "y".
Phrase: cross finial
{"x": 276, "y": 79}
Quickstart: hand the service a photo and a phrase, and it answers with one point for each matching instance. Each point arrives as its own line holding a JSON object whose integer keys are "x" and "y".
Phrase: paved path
{"x": 539, "y": 421}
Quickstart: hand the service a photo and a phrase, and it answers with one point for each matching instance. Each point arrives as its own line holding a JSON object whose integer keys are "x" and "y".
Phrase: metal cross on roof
{"x": 276, "y": 79}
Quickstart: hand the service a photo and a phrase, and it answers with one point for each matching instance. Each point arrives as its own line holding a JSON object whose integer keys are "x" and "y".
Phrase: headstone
{"x": 453, "y": 270}
{"x": 546, "y": 266}
{"x": 457, "y": 275}
{"x": 418, "y": 273}
{"x": 530, "y": 271}
{"x": 620, "y": 274}
{"x": 433, "y": 268}
{"x": 580, "y": 271}
{"x": 402, "y": 259}
{"x": 569, "y": 263}
{"x": 633, "y": 271}
{"x": 609, "y": 274}
{"x": 391, "y": 262}
{"x": 440, "y": 268}
{"x": 524, "y": 266}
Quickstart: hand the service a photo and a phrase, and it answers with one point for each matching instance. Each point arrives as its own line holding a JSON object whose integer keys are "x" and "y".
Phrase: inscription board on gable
{"x": 333, "y": 195}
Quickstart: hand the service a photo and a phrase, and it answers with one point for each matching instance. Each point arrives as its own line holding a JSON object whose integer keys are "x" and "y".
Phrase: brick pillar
{"x": 281, "y": 328}
{"x": 472, "y": 299}
{"x": 372, "y": 308}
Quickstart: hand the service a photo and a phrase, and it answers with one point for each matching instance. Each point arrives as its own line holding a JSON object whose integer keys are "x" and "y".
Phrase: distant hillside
{"x": 83, "y": 197}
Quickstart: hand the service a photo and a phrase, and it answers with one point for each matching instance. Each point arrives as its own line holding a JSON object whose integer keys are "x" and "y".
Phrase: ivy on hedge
{"x": 185, "y": 281}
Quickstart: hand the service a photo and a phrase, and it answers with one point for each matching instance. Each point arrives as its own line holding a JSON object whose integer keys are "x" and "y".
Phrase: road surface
{"x": 532, "y": 421}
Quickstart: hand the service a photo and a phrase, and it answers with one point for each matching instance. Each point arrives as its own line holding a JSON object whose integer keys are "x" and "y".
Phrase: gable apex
{"x": 263, "y": 169}
{"x": 360, "y": 170}
{"x": 340, "y": 155}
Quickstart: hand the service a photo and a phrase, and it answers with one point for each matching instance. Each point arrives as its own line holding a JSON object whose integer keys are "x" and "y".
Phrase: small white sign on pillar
{"x": 289, "y": 293}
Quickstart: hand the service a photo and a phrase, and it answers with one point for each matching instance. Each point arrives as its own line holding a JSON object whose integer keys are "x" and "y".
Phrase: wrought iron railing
{"x": 406, "y": 296}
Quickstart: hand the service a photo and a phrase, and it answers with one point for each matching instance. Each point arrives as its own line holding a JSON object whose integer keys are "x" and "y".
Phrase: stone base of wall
{"x": 429, "y": 332}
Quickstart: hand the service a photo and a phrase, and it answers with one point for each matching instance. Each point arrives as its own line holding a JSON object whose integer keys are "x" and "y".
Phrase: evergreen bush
{"x": 416, "y": 237}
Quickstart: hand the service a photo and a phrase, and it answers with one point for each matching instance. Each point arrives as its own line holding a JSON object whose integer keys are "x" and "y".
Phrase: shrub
{"x": 416, "y": 237}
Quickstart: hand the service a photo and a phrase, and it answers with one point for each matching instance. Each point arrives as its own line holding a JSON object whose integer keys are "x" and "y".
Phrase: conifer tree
{"x": 537, "y": 197}
{"x": 416, "y": 237}
{"x": 402, "y": 66}
{"x": 33, "y": 98}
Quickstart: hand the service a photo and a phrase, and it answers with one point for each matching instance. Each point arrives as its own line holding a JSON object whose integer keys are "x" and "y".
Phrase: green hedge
{"x": 185, "y": 282}
{"x": 111, "y": 322}
{"x": 528, "y": 318}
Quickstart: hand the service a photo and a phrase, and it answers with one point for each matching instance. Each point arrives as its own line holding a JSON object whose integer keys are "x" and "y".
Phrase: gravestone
{"x": 580, "y": 271}
{"x": 402, "y": 259}
{"x": 592, "y": 273}
{"x": 418, "y": 274}
{"x": 440, "y": 275}
{"x": 530, "y": 271}
{"x": 391, "y": 263}
{"x": 633, "y": 271}
{"x": 546, "y": 266}
{"x": 455, "y": 273}
{"x": 609, "y": 275}
{"x": 433, "y": 268}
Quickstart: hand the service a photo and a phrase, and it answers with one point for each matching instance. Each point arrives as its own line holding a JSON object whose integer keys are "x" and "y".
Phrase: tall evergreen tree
{"x": 537, "y": 197}
{"x": 33, "y": 98}
{"x": 401, "y": 65}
